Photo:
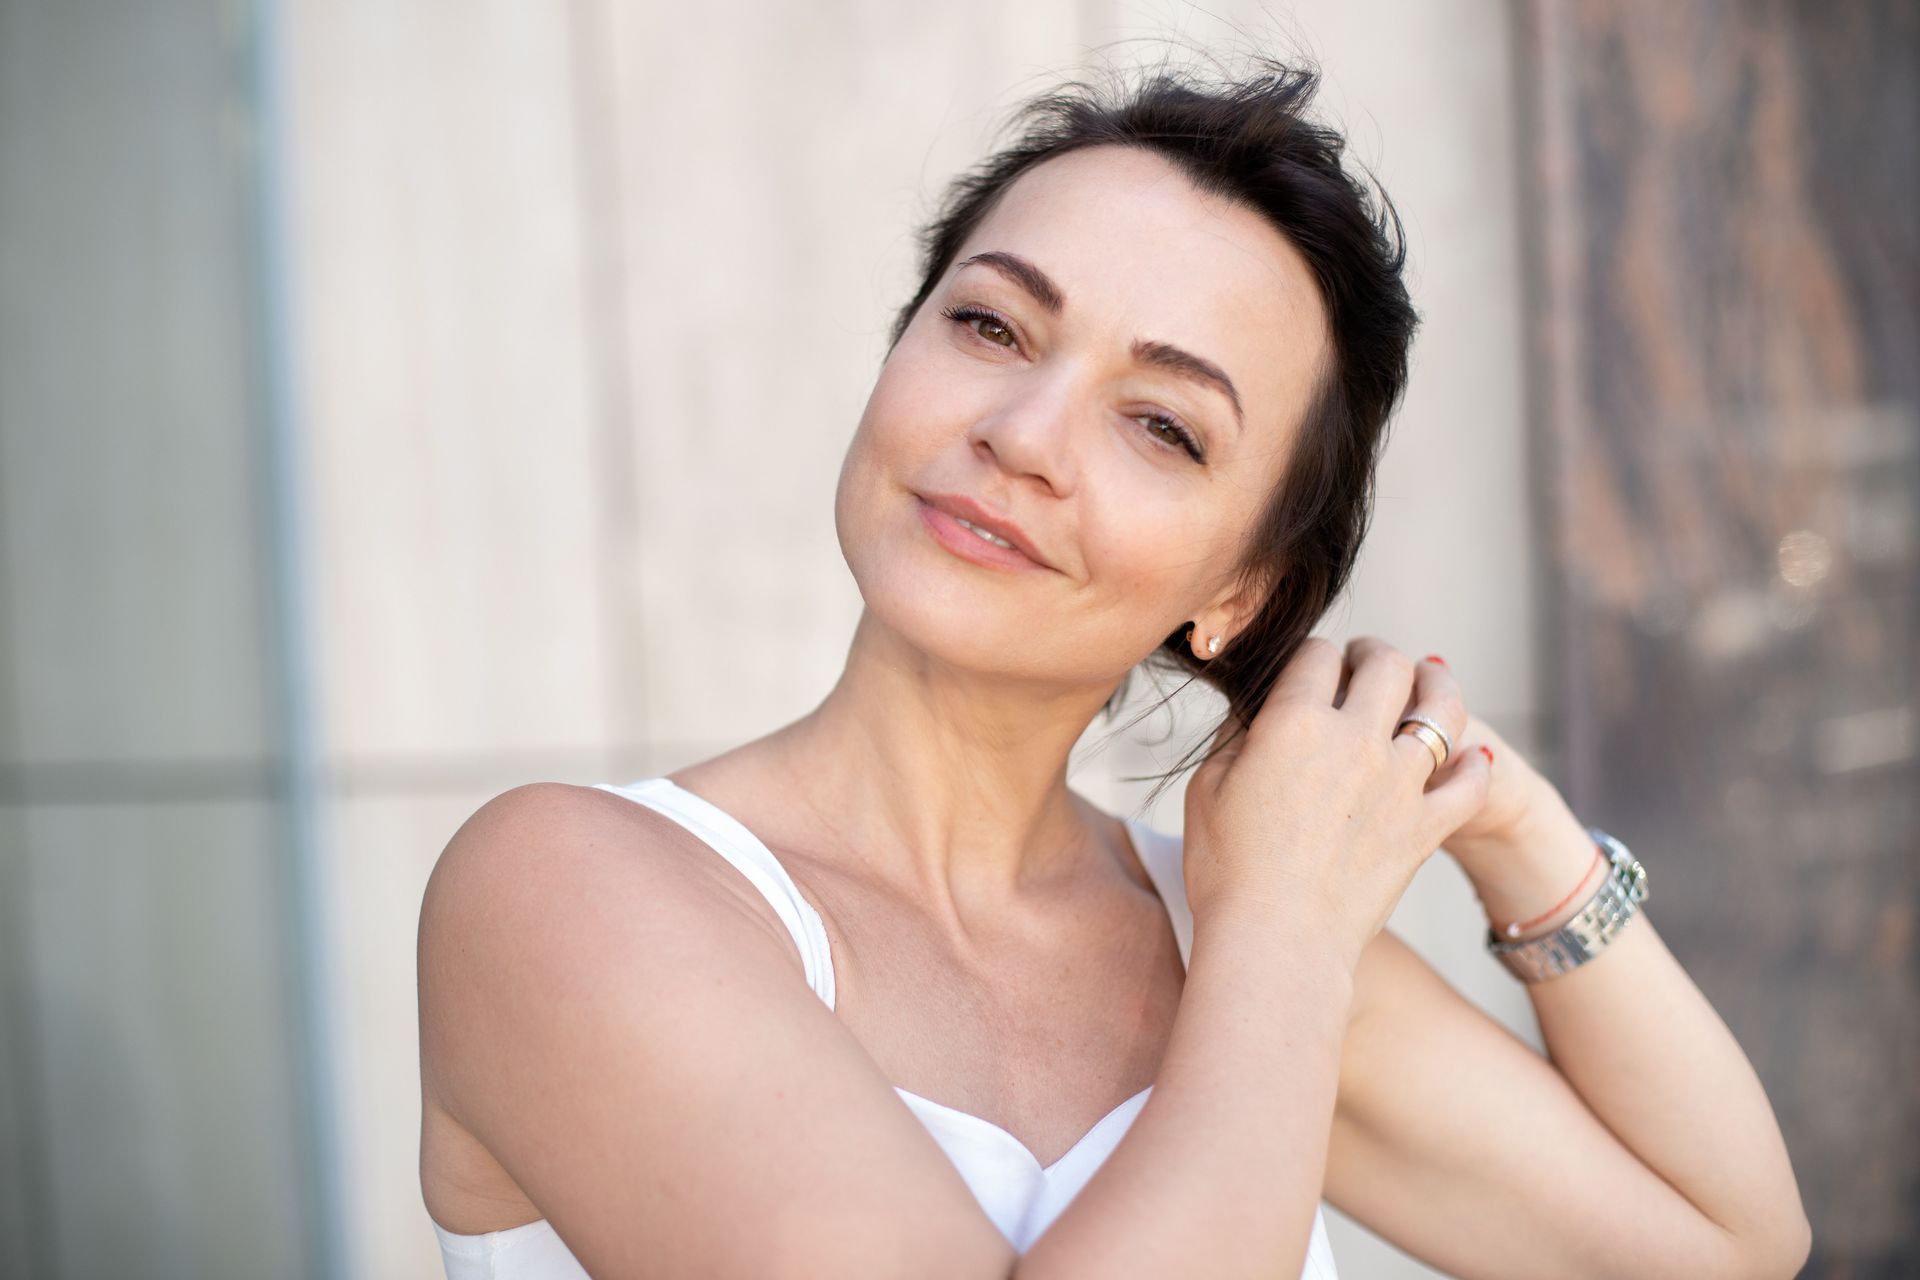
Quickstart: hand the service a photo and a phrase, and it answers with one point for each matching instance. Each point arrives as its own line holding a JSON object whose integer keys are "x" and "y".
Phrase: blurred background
{"x": 400, "y": 402}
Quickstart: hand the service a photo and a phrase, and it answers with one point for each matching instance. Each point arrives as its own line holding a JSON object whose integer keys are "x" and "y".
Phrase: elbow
{"x": 1793, "y": 1243}
{"x": 1796, "y": 1249}
{"x": 1772, "y": 1248}
{"x": 1784, "y": 1251}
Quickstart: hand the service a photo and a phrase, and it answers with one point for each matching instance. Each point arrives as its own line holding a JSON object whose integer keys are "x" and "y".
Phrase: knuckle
{"x": 1319, "y": 645}
{"x": 1309, "y": 719}
{"x": 1394, "y": 658}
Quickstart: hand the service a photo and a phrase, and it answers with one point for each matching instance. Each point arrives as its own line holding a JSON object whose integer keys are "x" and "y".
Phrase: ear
{"x": 1228, "y": 614}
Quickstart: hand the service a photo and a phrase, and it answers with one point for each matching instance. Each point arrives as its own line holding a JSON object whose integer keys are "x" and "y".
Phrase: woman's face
{"x": 1082, "y": 385}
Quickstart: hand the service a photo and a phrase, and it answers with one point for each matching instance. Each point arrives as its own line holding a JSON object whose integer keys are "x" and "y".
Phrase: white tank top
{"x": 1020, "y": 1196}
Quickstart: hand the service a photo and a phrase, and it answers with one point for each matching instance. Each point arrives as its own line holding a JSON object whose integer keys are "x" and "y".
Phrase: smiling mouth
{"x": 994, "y": 538}
{"x": 966, "y": 540}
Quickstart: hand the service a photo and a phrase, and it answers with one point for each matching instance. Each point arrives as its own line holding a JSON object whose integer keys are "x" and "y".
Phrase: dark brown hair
{"x": 1247, "y": 138}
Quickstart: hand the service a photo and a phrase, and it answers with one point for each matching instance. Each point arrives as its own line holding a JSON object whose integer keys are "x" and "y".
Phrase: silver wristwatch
{"x": 1580, "y": 939}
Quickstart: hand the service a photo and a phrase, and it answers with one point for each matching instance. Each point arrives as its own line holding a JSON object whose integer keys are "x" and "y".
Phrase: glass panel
{"x": 152, "y": 1112}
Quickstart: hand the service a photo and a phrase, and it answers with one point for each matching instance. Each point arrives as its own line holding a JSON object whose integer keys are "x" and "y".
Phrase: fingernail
{"x": 1486, "y": 751}
{"x": 1434, "y": 657}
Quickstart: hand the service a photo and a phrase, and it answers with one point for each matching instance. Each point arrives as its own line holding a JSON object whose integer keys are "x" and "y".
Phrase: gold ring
{"x": 1435, "y": 741}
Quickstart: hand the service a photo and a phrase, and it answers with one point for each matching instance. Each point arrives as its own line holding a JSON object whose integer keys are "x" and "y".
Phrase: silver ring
{"x": 1446, "y": 742}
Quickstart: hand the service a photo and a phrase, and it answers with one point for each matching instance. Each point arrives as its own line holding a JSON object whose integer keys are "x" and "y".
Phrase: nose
{"x": 1030, "y": 429}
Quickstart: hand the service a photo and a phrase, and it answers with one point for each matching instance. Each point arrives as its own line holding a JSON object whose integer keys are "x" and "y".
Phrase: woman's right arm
{"x": 1301, "y": 836}
{"x": 635, "y": 1043}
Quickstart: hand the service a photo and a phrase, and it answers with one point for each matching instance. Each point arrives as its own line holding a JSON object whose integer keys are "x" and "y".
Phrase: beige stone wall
{"x": 589, "y": 298}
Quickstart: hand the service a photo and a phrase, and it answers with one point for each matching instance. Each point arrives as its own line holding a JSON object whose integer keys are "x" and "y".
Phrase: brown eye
{"x": 1176, "y": 437}
{"x": 991, "y": 324}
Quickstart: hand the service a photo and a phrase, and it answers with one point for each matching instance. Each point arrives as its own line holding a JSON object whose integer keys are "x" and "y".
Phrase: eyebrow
{"x": 1160, "y": 355}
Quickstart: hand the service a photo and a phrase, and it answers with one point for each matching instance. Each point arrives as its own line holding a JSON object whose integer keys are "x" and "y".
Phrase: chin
{"x": 948, "y": 614}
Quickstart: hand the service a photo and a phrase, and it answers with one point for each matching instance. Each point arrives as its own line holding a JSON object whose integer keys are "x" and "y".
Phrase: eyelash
{"x": 964, "y": 313}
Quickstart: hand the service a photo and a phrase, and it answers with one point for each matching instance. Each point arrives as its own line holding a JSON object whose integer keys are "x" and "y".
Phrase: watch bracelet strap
{"x": 1588, "y": 932}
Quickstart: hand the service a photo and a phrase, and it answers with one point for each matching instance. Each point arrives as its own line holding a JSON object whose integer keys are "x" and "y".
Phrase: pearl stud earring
{"x": 1213, "y": 645}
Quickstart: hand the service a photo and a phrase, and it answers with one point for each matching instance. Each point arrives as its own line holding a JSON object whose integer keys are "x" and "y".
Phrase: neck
{"x": 950, "y": 784}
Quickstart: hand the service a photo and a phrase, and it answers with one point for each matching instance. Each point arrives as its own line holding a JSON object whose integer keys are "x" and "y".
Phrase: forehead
{"x": 1140, "y": 252}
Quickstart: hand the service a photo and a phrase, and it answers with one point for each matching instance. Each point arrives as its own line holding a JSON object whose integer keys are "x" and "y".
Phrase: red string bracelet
{"x": 1515, "y": 930}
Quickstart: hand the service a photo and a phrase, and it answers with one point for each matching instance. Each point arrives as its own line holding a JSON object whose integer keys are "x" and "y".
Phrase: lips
{"x": 965, "y": 508}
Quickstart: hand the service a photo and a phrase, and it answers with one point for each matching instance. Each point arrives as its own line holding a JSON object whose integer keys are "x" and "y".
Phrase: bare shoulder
{"x": 552, "y": 830}
{"x": 553, "y": 846}
{"x": 637, "y": 1048}
{"x": 550, "y": 889}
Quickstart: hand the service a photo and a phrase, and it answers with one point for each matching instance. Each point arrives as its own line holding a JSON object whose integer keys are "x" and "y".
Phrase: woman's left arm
{"x": 1642, "y": 1144}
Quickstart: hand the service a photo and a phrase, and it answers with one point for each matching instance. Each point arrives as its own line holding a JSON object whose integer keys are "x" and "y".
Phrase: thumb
{"x": 1462, "y": 790}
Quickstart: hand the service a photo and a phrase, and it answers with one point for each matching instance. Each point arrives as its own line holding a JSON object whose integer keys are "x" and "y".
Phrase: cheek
{"x": 853, "y": 494}
{"x": 1151, "y": 548}
{"x": 886, "y": 452}
{"x": 898, "y": 427}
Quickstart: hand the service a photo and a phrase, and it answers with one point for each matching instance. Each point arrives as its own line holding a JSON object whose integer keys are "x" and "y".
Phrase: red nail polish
{"x": 1487, "y": 752}
{"x": 1434, "y": 657}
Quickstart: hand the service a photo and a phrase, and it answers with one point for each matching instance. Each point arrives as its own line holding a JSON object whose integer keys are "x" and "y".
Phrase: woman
{"x": 1131, "y": 413}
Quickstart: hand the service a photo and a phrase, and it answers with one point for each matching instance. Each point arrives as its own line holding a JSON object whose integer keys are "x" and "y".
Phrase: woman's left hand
{"x": 1521, "y": 807}
{"x": 1524, "y": 848}
{"x": 1516, "y": 798}
{"x": 1524, "y": 844}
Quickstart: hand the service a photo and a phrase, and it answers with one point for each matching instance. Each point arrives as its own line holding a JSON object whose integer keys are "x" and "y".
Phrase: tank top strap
{"x": 729, "y": 838}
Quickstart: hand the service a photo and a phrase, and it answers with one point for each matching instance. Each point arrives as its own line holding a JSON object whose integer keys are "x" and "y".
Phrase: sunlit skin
{"x": 965, "y": 687}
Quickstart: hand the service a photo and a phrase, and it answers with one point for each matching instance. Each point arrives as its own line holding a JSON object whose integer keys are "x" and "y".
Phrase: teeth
{"x": 995, "y": 539}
